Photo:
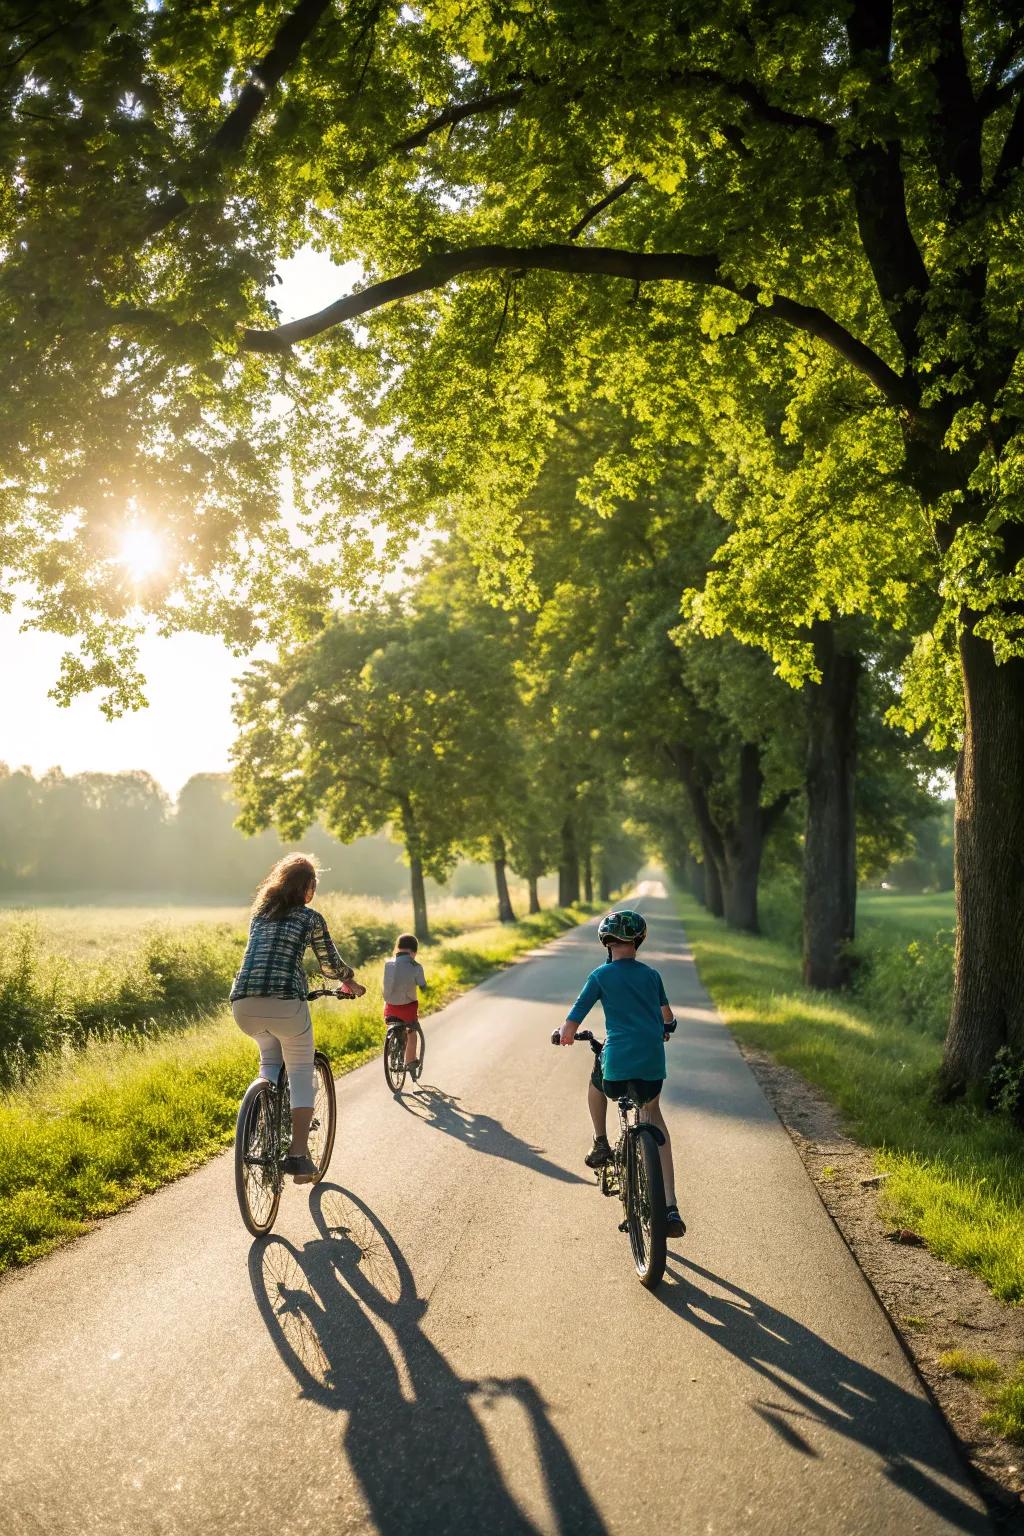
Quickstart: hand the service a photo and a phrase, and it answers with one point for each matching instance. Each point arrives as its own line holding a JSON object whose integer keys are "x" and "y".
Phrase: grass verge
{"x": 956, "y": 1176}
{"x": 92, "y": 1132}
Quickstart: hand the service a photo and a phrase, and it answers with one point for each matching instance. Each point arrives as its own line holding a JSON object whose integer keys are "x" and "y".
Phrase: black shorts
{"x": 640, "y": 1089}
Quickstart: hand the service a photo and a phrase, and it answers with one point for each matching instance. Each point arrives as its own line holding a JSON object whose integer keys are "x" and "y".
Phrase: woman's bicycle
{"x": 634, "y": 1174}
{"x": 395, "y": 1069}
{"x": 263, "y": 1133}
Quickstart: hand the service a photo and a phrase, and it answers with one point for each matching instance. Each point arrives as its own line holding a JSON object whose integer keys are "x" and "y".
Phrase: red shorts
{"x": 403, "y": 1013}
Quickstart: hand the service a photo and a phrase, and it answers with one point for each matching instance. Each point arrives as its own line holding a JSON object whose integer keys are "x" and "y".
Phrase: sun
{"x": 141, "y": 552}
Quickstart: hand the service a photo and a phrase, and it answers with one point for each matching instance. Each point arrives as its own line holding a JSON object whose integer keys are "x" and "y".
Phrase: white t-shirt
{"x": 402, "y": 976}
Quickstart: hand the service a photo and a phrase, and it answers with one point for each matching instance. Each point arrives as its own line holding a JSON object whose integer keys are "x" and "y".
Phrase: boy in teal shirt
{"x": 637, "y": 1016}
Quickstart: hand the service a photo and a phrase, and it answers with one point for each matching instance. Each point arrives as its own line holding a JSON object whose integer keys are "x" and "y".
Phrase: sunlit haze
{"x": 187, "y": 728}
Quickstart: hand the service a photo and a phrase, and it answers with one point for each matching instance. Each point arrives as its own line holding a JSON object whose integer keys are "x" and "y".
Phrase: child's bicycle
{"x": 634, "y": 1174}
{"x": 395, "y": 1068}
{"x": 263, "y": 1133}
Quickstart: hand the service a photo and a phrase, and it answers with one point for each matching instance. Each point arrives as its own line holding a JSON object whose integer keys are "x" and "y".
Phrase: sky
{"x": 187, "y": 727}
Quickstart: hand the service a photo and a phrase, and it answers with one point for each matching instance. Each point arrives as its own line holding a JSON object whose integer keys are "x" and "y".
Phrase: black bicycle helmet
{"x": 629, "y": 927}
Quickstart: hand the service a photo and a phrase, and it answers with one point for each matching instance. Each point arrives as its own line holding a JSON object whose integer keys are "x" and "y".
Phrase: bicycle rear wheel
{"x": 645, "y": 1208}
{"x": 257, "y": 1171}
{"x": 325, "y": 1115}
{"x": 421, "y": 1052}
{"x": 394, "y": 1059}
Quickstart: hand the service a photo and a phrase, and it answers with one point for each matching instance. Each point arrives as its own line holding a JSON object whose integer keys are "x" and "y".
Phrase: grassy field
{"x": 890, "y": 917}
{"x": 956, "y": 1175}
{"x": 92, "y": 1129}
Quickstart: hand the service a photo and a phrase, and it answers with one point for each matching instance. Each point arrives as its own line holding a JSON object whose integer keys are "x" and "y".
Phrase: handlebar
{"x": 345, "y": 997}
{"x": 597, "y": 1046}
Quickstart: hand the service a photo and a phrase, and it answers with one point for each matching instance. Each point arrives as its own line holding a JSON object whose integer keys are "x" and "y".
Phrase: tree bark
{"x": 531, "y": 881}
{"x": 505, "y": 911}
{"x": 588, "y": 875}
{"x": 696, "y": 878}
{"x": 712, "y": 881}
{"x": 743, "y": 845}
{"x": 830, "y": 833}
{"x": 988, "y": 988}
{"x": 568, "y": 866}
{"x": 419, "y": 899}
{"x": 604, "y": 880}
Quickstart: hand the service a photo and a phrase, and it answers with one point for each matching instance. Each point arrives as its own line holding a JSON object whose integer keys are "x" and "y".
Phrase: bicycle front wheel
{"x": 325, "y": 1115}
{"x": 257, "y": 1170}
{"x": 394, "y": 1059}
{"x": 645, "y": 1208}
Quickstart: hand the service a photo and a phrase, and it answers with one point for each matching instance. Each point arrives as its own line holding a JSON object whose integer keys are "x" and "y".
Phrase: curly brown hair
{"x": 286, "y": 886}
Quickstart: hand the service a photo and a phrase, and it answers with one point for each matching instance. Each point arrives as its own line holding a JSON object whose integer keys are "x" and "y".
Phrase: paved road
{"x": 447, "y": 1336}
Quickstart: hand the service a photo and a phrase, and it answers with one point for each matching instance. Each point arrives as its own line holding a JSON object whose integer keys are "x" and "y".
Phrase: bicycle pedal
{"x": 623, "y": 1226}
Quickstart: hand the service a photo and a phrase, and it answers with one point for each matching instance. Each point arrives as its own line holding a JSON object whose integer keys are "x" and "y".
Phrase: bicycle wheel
{"x": 257, "y": 1171}
{"x": 645, "y": 1208}
{"x": 325, "y": 1115}
{"x": 394, "y": 1059}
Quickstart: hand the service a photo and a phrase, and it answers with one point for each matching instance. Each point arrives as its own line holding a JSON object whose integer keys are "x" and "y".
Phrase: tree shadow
{"x": 444, "y": 1112}
{"x": 345, "y": 1317}
{"x": 814, "y": 1383}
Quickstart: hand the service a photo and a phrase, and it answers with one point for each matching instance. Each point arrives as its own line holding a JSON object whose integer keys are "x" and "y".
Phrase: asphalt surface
{"x": 447, "y": 1336}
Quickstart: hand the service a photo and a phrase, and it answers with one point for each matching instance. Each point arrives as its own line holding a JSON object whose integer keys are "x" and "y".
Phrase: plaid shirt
{"x": 272, "y": 963}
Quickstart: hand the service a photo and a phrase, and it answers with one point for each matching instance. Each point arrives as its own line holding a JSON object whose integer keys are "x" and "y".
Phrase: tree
{"x": 382, "y": 719}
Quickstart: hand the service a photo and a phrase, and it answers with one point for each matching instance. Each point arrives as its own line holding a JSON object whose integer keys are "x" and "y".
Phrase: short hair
{"x": 407, "y": 941}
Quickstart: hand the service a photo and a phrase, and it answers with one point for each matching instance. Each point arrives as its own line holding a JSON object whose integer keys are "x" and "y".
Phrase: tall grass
{"x": 93, "y": 1129}
{"x": 74, "y": 975}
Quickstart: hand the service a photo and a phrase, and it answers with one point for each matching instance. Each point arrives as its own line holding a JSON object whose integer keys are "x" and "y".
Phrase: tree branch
{"x": 994, "y": 92}
{"x": 591, "y": 261}
{"x": 494, "y": 101}
{"x": 879, "y": 192}
{"x": 292, "y": 35}
{"x": 1012, "y": 154}
{"x": 606, "y": 202}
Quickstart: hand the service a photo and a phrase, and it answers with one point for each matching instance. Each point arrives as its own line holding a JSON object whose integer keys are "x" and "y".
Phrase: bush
{"x": 909, "y": 985}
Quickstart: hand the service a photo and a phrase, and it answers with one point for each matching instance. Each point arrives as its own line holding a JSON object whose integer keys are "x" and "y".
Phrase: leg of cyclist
{"x": 651, "y": 1112}
{"x": 597, "y": 1102}
{"x": 412, "y": 1047}
{"x": 296, "y": 1036}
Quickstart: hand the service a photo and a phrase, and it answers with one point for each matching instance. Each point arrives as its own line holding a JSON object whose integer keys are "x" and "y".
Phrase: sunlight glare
{"x": 141, "y": 553}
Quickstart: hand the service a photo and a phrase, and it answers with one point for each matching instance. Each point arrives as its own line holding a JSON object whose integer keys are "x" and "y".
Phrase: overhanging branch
{"x": 592, "y": 261}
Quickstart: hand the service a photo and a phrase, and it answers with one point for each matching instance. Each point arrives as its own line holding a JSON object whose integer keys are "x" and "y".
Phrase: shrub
{"x": 909, "y": 985}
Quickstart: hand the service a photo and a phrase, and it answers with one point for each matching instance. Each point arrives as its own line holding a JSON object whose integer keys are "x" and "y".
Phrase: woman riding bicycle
{"x": 269, "y": 994}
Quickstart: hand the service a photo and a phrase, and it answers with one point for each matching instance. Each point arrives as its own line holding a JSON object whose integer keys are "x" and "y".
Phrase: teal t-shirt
{"x": 632, "y": 995}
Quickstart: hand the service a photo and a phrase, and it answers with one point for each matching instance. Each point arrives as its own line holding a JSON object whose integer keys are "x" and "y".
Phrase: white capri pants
{"x": 283, "y": 1030}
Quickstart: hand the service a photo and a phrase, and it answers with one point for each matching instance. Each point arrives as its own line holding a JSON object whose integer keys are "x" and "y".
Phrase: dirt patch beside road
{"x": 933, "y": 1306}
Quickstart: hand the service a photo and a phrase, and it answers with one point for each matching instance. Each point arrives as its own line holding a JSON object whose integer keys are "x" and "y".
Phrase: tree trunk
{"x": 830, "y": 837}
{"x": 988, "y": 988}
{"x": 568, "y": 866}
{"x": 588, "y": 875}
{"x": 743, "y": 846}
{"x": 696, "y": 879}
{"x": 531, "y": 881}
{"x": 604, "y": 880}
{"x": 713, "y": 899}
{"x": 505, "y": 912}
{"x": 419, "y": 899}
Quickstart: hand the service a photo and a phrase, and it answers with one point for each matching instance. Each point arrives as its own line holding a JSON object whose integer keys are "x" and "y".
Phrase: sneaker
{"x": 302, "y": 1169}
{"x": 599, "y": 1154}
{"x": 415, "y": 1070}
{"x": 675, "y": 1225}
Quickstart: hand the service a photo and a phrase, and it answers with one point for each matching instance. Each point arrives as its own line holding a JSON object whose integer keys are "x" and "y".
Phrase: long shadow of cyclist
{"x": 813, "y": 1382}
{"x": 412, "y": 1438}
{"x": 444, "y": 1112}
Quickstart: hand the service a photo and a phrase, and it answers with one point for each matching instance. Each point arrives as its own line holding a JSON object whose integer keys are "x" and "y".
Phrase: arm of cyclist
{"x": 668, "y": 1019}
{"x": 579, "y": 1010}
{"x": 329, "y": 960}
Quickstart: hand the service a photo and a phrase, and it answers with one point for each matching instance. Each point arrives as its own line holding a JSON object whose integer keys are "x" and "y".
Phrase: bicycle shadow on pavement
{"x": 444, "y": 1112}
{"x": 818, "y": 1384}
{"x": 412, "y": 1435}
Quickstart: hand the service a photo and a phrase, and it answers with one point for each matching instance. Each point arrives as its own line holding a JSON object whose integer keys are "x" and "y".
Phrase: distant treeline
{"x": 121, "y": 832}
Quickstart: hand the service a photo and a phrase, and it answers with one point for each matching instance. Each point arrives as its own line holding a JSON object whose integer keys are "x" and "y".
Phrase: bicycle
{"x": 263, "y": 1135}
{"x": 395, "y": 1069}
{"x": 634, "y": 1174}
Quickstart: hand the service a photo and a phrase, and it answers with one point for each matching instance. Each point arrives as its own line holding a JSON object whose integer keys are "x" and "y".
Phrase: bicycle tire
{"x": 646, "y": 1220}
{"x": 325, "y": 1115}
{"x": 394, "y": 1059}
{"x": 421, "y": 1058}
{"x": 258, "y": 1177}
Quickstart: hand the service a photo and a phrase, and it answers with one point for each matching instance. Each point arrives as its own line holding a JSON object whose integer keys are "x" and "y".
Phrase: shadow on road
{"x": 815, "y": 1383}
{"x": 444, "y": 1112}
{"x": 345, "y": 1318}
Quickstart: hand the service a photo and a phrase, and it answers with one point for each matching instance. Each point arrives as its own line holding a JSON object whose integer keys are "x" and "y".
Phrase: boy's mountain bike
{"x": 395, "y": 1069}
{"x": 263, "y": 1132}
{"x": 634, "y": 1174}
